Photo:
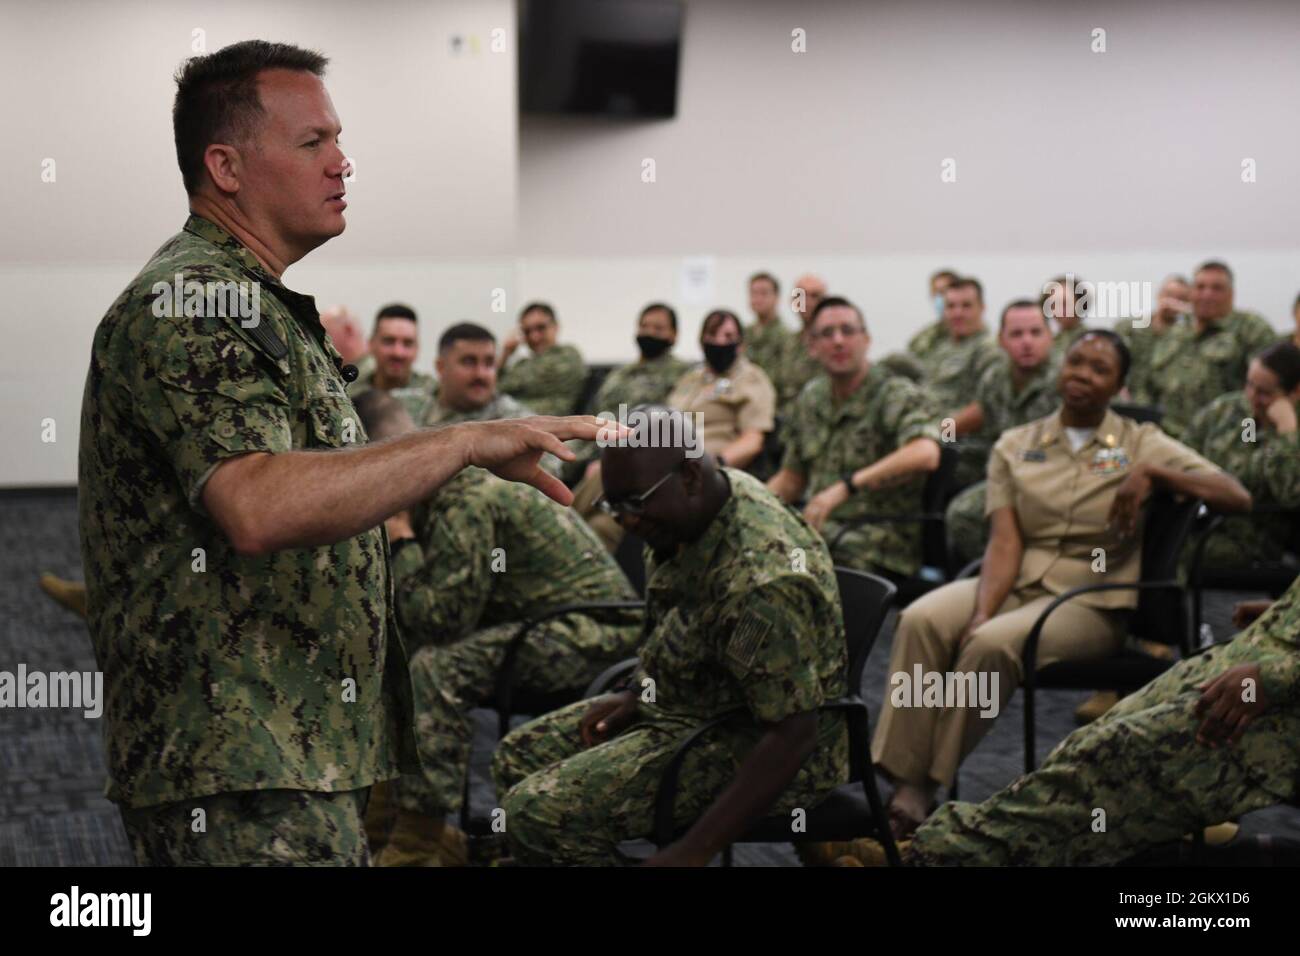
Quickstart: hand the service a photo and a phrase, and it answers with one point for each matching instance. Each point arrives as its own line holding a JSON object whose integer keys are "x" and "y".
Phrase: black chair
{"x": 936, "y": 562}
{"x": 1139, "y": 413}
{"x": 596, "y": 375}
{"x": 1271, "y": 577}
{"x": 1160, "y": 617}
{"x": 854, "y": 809}
{"x": 508, "y": 699}
{"x": 768, "y": 461}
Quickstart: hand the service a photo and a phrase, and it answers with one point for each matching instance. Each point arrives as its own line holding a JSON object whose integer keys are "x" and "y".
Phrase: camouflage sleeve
{"x": 1257, "y": 334}
{"x": 1279, "y": 468}
{"x": 1201, "y": 426}
{"x": 768, "y": 650}
{"x": 208, "y": 396}
{"x": 906, "y": 412}
{"x": 442, "y": 583}
{"x": 795, "y": 431}
{"x": 551, "y": 383}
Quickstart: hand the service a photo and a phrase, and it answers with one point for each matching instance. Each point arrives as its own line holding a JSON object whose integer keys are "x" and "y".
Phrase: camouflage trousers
{"x": 968, "y": 526}
{"x": 1140, "y": 765}
{"x": 865, "y": 548}
{"x": 253, "y": 828}
{"x": 566, "y": 805}
{"x": 450, "y": 680}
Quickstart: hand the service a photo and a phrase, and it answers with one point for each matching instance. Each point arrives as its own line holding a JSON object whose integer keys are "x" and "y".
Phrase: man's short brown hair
{"x": 217, "y": 102}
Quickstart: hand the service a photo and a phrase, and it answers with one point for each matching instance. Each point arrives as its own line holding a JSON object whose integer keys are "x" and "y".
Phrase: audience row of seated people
{"x": 1048, "y": 474}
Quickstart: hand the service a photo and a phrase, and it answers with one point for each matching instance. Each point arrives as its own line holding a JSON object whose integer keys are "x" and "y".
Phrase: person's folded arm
{"x": 788, "y": 485}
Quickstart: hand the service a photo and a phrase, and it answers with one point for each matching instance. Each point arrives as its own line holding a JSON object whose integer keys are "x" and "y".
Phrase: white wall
{"x": 431, "y": 213}
{"x": 1123, "y": 165}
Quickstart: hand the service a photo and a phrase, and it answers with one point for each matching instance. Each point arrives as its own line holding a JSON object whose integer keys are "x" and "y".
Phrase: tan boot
{"x": 1095, "y": 706}
{"x": 820, "y": 854}
{"x": 1220, "y": 833}
{"x": 380, "y": 813}
{"x": 70, "y": 594}
{"x": 419, "y": 840}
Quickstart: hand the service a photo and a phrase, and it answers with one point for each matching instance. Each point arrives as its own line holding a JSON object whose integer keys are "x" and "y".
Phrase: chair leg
{"x": 879, "y": 816}
{"x": 1030, "y": 759}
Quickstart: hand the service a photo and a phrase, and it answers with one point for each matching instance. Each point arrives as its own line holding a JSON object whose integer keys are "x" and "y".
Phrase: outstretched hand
{"x": 513, "y": 449}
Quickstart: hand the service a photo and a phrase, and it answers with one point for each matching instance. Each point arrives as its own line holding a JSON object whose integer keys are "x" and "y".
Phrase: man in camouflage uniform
{"x": 923, "y": 343}
{"x": 1194, "y": 364}
{"x": 239, "y": 602}
{"x": 744, "y": 613}
{"x": 1062, "y": 302}
{"x": 1173, "y": 304}
{"x": 1252, "y": 434}
{"x": 1015, "y": 392}
{"x": 466, "y": 390}
{"x": 859, "y": 443}
{"x": 1209, "y": 740}
{"x": 551, "y": 379}
{"x": 394, "y": 347}
{"x": 959, "y": 361}
{"x": 767, "y": 338}
{"x": 647, "y": 381}
{"x": 471, "y": 564}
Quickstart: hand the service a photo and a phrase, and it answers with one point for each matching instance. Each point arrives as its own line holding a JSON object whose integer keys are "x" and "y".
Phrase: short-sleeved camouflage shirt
{"x": 826, "y": 439}
{"x": 953, "y": 366}
{"x": 550, "y": 383}
{"x": 1003, "y": 407}
{"x": 749, "y": 616}
{"x": 226, "y": 672}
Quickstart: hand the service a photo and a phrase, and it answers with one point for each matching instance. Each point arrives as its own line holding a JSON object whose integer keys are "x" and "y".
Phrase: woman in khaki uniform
{"x": 733, "y": 394}
{"x": 1064, "y": 503}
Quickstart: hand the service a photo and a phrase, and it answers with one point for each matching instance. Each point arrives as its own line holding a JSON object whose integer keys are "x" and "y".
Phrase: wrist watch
{"x": 847, "y": 478}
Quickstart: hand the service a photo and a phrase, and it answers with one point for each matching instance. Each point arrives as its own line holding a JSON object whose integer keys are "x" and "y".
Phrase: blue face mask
{"x": 938, "y": 305}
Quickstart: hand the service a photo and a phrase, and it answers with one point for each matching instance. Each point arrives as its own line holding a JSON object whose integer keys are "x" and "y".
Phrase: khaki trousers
{"x": 914, "y": 744}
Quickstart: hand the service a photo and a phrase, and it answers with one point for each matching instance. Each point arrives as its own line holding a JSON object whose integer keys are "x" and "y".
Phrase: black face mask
{"x": 720, "y": 357}
{"x": 651, "y": 347}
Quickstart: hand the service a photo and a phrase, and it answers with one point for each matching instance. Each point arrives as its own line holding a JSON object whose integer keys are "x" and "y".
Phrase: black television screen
{"x": 608, "y": 57}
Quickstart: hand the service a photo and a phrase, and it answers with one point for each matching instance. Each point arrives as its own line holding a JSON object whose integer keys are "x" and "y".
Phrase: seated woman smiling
{"x": 1062, "y": 491}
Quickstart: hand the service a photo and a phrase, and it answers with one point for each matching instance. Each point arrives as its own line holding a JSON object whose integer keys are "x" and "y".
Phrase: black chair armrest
{"x": 666, "y": 795}
{"x": 505, "y": 679}
{"x": 1030, "y": 652}
{"x": 610, "y": 676}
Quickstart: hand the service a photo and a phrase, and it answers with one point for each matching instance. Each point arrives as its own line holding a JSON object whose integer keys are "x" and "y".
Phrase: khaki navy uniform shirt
{"x": 736, "y": 402}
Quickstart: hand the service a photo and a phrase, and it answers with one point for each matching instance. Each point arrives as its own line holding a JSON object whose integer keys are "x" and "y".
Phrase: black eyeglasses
{"x": 633, "y": 504}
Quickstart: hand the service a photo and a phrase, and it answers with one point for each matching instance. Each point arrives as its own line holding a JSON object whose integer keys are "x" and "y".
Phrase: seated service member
{"x": 859, "y": 442}
{"x": 467, "y": 379}
{"x": 1196, "y": 362}
{"x": 924, "y": 342}
{"x": 1058, "y": 490}
{"x": 394, "y": 346}
{"x": 732, "y": 393}
{"x": 550, "y": 380}
{"x": 1212, "y": 738}
{"x": 1062, "y": 301}
{"x": 734, "y": 623}
{"x": 1173, "y": 306}
{"x": 1014, "y": 392}
{"x": 767, "y": 338}
{"x": 1252, "y": 434}
{"x": 470, "y": 564}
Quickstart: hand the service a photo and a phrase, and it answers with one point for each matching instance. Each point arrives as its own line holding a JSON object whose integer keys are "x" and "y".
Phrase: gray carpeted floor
{"x": 52, "y": 809}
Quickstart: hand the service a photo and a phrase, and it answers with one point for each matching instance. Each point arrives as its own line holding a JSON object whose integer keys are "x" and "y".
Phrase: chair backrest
{"x": 1162, "y": 615}
{"x": 1139, "y": 413}
{"x": 630, "y": 556}
{"x": 865, "y": 599}
{"x": 939, "y": 487}
{"x": 596, "y": 375}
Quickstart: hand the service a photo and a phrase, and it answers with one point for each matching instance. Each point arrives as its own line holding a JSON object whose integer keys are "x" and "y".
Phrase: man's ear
{"x": 223, "y": 165}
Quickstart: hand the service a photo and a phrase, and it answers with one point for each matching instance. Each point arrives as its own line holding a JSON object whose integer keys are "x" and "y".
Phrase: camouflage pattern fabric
{"x": 747, "y": 616}
{"x": 1063, "y": 339}
{"x": 550, "y": 383}
{"x": 765, "y": 345}
{"x": 646, "y": 382}
{"x": 1141, "y": 342}
{"x": 1189, "y": 369}
{"x": 1142, "y": 766}
{"x": 825, "y": 439}
{"x": 924, "y": 342}
{"x": 499, "y": 408}
{"x": 491, "y": 553}
{"x": 954, "y": 364}
{"x": 227, "y": 672}
{"x": 416, "y": 395}
{"x": 794, "y": 369}
{"x": 1269, "y": 467}
{"x": 253, "y": 828}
